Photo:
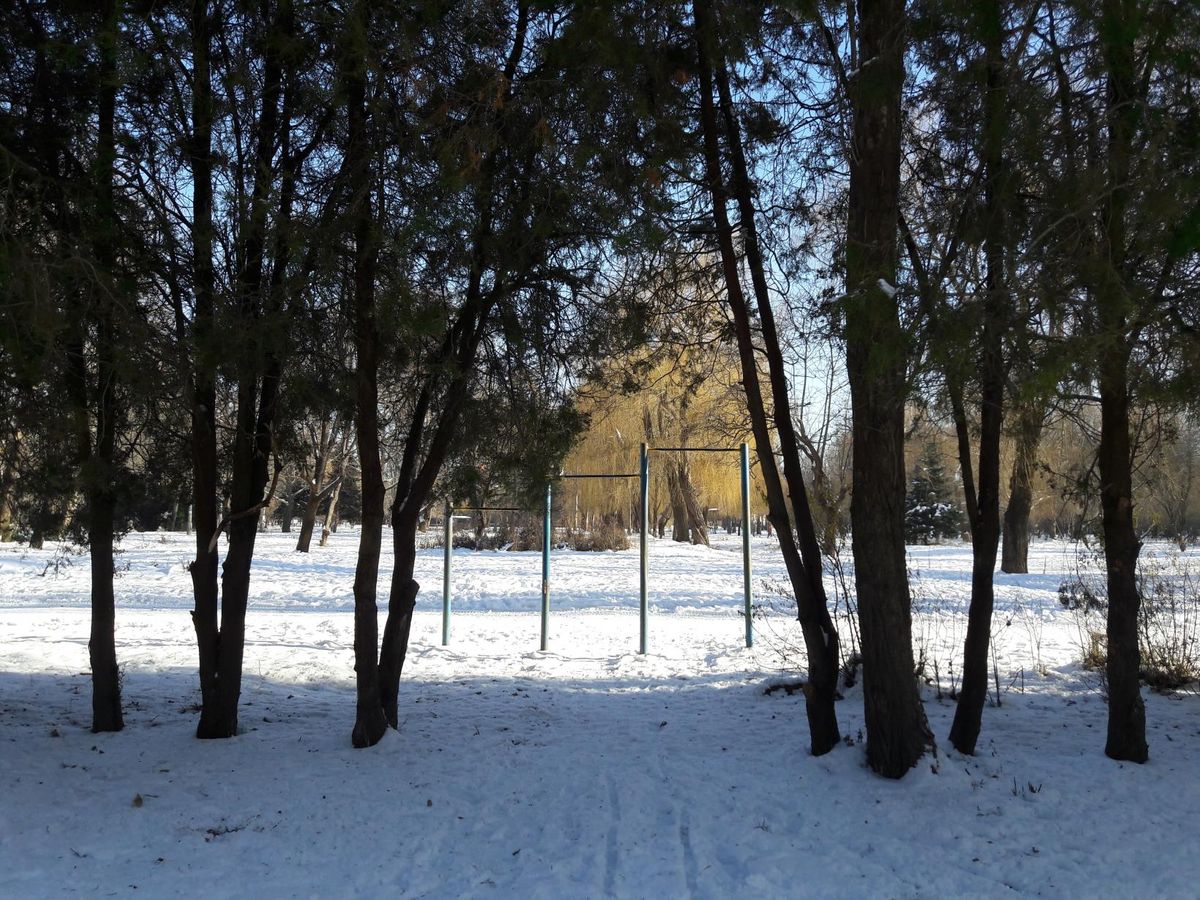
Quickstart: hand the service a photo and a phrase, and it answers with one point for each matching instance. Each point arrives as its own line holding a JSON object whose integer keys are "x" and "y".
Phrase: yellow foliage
{"x": 689, "y": 398}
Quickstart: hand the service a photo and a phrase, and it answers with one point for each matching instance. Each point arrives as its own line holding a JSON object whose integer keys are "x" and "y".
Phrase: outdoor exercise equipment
{"x": 448, "y": 554}
{"x": 643, "y": 474}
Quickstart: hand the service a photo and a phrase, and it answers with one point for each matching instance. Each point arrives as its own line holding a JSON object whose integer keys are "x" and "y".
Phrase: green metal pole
{"x": 643, "y": 606}
{"x": 749, "y": 594}
{"x": 546, "y": 537}
{"x": 448, "y": 553}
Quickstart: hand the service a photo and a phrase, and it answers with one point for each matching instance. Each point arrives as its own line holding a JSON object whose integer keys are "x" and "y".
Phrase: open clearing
{"x": 585, "y": 771}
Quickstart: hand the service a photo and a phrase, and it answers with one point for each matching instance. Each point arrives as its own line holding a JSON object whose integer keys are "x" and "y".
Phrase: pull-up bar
{"x": 644, "y": 527}
{"x": 603, "y": 475}
{"x": 448, "y": 553}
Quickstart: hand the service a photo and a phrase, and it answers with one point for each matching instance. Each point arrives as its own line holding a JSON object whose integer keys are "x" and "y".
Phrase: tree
{"x": 897, "y": 731}
{"x": 72, "y": 259}
{"x": 1132, "y": 250}
{"x": 325, "y": 438}
{"x": 800, "y": 549}
{"x": 98, "y": 453}
{"x": 497, "y": 117}
{"x": 370, "y": 722}
{"x": 931, "y": 510}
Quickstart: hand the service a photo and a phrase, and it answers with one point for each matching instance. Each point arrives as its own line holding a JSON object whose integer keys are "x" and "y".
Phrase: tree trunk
{"x": 8, "y": 481}
{"x": 203, "y": 373}
{"x": 679, "y": 510}
{"x": 100, "y": 472}
{"x": 1015, "y": 554}
{"x": 258, "y": 373}
{"x": 330, "y": 523}
{"x": 983, "y": 499}
{"x": 1126, "y": 710}
{"x": 697, "y": 524}
{"x": 820, "y": 638}
{"x": 370, "y": 724}
{"x": 316, "y": 489}
{"x": 289, "y": 509}
{"x": 897, "y": 731}
{"x": 481, "y": 525}
{"x": 402, "y": 601}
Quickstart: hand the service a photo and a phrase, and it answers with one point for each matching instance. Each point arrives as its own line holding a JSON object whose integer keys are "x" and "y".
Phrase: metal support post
{"x": 547, "y": 532}
{"x": 447, "y": 555}
{"x": 643, "y": 607}
{"x": 749, "y": 594}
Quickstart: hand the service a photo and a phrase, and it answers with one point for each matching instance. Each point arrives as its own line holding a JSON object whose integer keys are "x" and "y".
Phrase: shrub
{"x": 1076, "y": 594}
{"x": 1168, "y": 621}
{"x": 1169, "y": 624}
{"x": 608, "y": 535}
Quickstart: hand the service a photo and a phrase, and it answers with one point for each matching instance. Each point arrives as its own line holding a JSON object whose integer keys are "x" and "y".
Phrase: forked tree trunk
{"x": 369, "y": 723}
{"x": 258, "y": 374}
{"x": 697, "y": 524}
{"x": 1014, "y": 557}
{"x": 897, "y": 730}
{"x": 679, "y": 510}
{"x": 458, "y": 355}
{"x": 203, "y": 368}
{"x": 316, "y": 490}
{"x": 330, "y": 523}
{"x": 801, "y": 557}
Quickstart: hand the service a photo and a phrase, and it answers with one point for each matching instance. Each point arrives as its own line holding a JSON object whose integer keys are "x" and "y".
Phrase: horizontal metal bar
{"x": 702, "y": 449}
{"x": 489, "y": 509}
{"x": 604, "y": 475}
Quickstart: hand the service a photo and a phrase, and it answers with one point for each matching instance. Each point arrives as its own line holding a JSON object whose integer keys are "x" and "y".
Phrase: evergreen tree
{"x": 931, "y": 511}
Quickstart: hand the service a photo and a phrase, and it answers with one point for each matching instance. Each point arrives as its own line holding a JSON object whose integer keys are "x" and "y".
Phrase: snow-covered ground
{"x": 585, "y": 771}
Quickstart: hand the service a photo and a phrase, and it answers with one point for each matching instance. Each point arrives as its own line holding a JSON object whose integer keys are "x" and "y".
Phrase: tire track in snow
{"x": 610, "y": 843}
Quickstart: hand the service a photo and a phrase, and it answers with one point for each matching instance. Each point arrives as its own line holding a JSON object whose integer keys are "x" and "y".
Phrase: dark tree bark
{"x": 316, "y": 488}
{"x": 259, "y": 302}
{"x": 801, "y": 557}
{"x": 1119, "y": 28}
{"x": 983, "y": 495}
{"x": 8, "y": 481}
{"x": 679, "y": 510}
{"x": 330, "y": 523}
{"x": 370, "y": 724}
{"x": 697, "y": 524}
{"x": 289, "y": 509}
{"x": 1027, "y": 433}
{"x": 897, "y": 731}
{"x": 687, "y": 519}
{"x": 457, "y": 355}
{"x": 100, "y": 468}
{"x": 203, "y": 371}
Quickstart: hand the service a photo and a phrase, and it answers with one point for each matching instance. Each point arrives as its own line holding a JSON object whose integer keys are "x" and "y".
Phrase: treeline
{"x": 244, "y": 242}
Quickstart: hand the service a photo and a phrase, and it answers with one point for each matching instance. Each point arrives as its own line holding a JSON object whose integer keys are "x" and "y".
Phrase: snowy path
{"x": 588, "y": 771}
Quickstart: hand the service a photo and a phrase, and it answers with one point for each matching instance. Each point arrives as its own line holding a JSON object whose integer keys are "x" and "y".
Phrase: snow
{"x": 585, "y": 771}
